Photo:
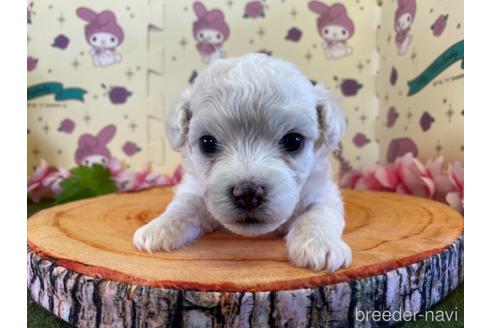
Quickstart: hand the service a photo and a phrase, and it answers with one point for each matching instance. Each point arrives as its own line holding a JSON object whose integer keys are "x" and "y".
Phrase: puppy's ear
{"x": 331, "y": 119}
{"x": 178, "y": 121}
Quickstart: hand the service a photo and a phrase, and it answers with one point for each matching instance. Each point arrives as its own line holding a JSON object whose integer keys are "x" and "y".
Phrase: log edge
{"x": 89, "y": 301}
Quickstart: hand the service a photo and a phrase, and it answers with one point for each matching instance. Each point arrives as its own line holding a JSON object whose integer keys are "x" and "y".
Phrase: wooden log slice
{"x": 82, "y": 267}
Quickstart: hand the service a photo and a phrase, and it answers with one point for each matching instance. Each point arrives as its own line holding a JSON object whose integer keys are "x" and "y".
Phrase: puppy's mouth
{"x": 248, "y": 221}
{"x": 251, "y": 226}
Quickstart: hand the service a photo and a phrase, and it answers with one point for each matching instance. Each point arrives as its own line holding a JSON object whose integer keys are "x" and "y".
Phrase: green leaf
{"x": 85, "y": 182}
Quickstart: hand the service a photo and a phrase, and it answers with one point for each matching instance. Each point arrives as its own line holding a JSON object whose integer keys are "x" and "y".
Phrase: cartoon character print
{"x": 404, "y": 17}
{"x": 335, "y": 27}
{"x": 104, "y": 34}
{"x": 93, "y": 149}
{"x": 211, "y": 31}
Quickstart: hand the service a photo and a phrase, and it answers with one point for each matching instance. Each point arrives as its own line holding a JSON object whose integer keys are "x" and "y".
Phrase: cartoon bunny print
{"x": 404, "y": 17}
{"x": 335, "y": 27}
{"x": 104, "y": 34}
{"x": 93, "y": 149}
{"x": 211, "y": 31}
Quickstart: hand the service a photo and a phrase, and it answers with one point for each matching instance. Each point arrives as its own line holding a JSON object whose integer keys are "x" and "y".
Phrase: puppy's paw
{"x": 319, "y": 254}
{"x": 159, "y": 235}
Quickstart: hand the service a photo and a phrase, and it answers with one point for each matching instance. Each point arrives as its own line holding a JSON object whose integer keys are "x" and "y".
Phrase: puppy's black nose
{"x": 248, "y": 195}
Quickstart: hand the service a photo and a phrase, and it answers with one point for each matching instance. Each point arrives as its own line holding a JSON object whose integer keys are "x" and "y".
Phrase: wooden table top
{"x": 94, "y": 237}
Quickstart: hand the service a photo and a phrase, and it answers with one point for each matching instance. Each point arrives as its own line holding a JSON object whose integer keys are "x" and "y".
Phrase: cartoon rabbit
{"x": 93, "y": 149}
{"x": 335, "y": 27}
{"x": 104, "y": 34}
{"x": 210, "y": 30}
{"x": 404, "y": 17}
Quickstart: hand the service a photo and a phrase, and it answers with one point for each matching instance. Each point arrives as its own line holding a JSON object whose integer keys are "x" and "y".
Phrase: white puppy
{"x": 255, "y": 136}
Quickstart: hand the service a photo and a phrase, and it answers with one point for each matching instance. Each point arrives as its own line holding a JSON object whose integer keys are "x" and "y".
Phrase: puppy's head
{"x": 249, "y": 129}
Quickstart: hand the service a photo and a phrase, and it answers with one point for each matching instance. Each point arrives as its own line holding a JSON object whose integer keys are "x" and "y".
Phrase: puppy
{"x": 255, "y": 136}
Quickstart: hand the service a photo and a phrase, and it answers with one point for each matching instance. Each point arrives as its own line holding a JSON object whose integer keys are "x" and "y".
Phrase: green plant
{"x": 85, "y": 182}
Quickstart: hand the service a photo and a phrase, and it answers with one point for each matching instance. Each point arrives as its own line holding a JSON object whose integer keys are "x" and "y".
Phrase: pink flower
{"x": 127, "y": 180}
{"x": 45, "y": 179}
{"x": 373, "y": 178}
{"x": 409, "y": 176}
{"x": 363, "y": 180}
{"x": 145, "y": 179}
{"x": 36, "y": 184}
{"x": 114, "y": 166}
{"x": 455, "y": 198}
{"x": 54, "y": 179}
{"x": 435, "y": 178}
{"x": 123, "y": 180}
{"x": 121, "y": 176}
{"x": 410, "y": 181}
{"x": 177, "y": 175}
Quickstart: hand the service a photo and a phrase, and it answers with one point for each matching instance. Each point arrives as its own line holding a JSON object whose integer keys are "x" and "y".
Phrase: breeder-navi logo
{"x": 401, "y": 315}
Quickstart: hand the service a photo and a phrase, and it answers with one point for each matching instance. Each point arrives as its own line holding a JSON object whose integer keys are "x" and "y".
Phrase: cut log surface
{"x": 82, "y": 267}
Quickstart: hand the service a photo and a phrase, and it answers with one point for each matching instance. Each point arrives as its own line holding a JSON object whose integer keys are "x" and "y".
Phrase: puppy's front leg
{"x": 185, "y": 219}
{"x": 314, "y": 239}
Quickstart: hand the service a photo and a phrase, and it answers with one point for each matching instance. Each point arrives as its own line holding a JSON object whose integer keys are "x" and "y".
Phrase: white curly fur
{"x": 248, "y": 104}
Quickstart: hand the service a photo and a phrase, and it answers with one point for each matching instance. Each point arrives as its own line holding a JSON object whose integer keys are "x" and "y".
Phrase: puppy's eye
{"x": 209, "y": 145}
{"x": 292, "y": 142}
